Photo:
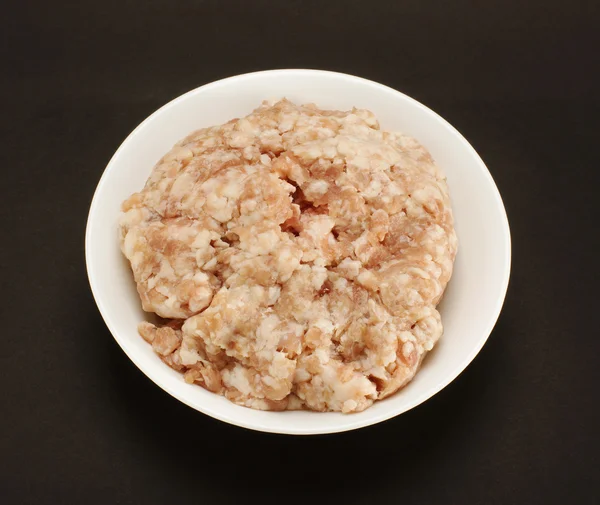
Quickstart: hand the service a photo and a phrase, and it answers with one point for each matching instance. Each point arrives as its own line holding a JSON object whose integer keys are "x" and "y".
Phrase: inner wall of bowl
{"x": 470, "y": 303}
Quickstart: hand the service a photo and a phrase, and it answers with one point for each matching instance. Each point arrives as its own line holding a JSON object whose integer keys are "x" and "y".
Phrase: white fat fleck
{"x": 325, "y": 325}
{"x": 202, "y": 239}
{"x": 236, "y": 378}
{"x": 166, "y": 270}
{"x": 129, "y": 244}
{"x": 319, "y": 276}
{"x": 240, "y": 139}
{"x": 318, "y": 187}
{"x": 182, "y": 184}
{"x": 247, "y": 127}
{"x": 368, "y": 279}
{"x": 407, "y": 348}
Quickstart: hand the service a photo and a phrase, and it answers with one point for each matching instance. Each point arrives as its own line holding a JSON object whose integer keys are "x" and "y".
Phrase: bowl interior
{"x": 472, "y": 301}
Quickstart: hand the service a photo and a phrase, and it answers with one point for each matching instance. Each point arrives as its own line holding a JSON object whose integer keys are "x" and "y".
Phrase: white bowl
{"x": 472, "y": 301}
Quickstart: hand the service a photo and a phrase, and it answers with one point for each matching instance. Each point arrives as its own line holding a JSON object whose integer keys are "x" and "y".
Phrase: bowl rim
{"x": 291, "y": 429}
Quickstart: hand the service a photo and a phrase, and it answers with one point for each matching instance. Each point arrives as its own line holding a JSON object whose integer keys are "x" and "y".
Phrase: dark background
{"x": 80, "y": 424}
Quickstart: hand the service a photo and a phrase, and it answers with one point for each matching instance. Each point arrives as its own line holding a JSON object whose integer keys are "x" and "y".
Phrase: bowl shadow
{"x": 239, "y": 465}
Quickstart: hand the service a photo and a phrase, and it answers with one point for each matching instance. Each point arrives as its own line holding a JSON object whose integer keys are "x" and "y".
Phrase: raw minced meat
{"x": 296, "y": 256}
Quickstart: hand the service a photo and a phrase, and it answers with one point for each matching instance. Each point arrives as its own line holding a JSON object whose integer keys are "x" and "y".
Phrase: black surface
{"x": 80, "y": 424}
